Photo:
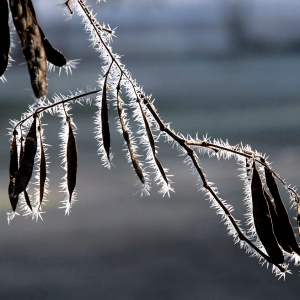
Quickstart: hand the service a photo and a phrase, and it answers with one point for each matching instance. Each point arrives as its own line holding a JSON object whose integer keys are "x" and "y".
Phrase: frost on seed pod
{"x": 262, "y": 219}
{"x": 27, "y": 161}
{"x": 4, "y": 37}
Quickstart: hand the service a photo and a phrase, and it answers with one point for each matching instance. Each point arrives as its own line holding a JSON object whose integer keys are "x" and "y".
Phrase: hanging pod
{"x": 26, "y": 196}
{"x": 4, "y": 36}
{"x": 42, "y": 167}
{"x": 13, "y": 168}
{"x": 104, "y": 120}
{"x": 33, "y": 49}
{"x": 262, "y": 219}
{"x": 134, "y": 160}
{"x": 278, "y": 229}
{"x": 36, "y": 47}
{"x": 54, "y": 56}
{"x": 284, "y": 230}
{"x": 71, "y": 161}
{"x": 152, "y": 145}
{"x": 27, "y": 161}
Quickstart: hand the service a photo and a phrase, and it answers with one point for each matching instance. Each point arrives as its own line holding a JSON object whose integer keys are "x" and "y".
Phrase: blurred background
{"x": 229, "y": 69}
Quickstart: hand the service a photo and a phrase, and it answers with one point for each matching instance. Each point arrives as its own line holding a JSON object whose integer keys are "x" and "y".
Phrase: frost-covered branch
{"x": 269, "y": 235}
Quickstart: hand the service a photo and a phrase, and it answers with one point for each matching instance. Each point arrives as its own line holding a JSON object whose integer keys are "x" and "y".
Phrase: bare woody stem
{"x": 44, "y": 108}
{"x": 245, "y": 153}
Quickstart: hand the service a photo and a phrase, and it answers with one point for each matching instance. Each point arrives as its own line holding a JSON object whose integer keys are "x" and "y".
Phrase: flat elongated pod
{"x": 54, "y": 56}
{"x": 278, "y": 229}
{"x": 262, "y": 219}
{"x": 13, "y": 168}
{"x": 32, "y": 44}
{"x": 152, "y": 144}
{"x": 104, "y": 120}
{"x": 286, "y": 233}
{"x": 26, "y": 196}
{"x": 43, "y": 171}
{"x": 135, "y": 162}
{"x": 71, "y": 161}
{"x": 4, "y": 36}
{"x": 27, "y": 161}
{"x": 27, "y": 200}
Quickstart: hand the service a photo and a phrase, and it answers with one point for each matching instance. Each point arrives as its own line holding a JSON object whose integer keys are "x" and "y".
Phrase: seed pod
{"x": 262, "y": 219}
{"x": 71, "y": 161}
{"x": 32, "y": 45}
{"x": 13, "y": 168}
{"x": 152, "y": 144}
{"x": 161, "y": 169}
{"x": 26, "y": 196}
{"x": 135, "y": 162}
{"x": 4, "y": 36}
{"x": 43, "y": 172}
{"x": 104, "y": 121}
{"x": 27, "y": 200}
{"x": 148, "y": 130}
{"x": 27, "y": 162}
{"x": 278, "y": 229}
{"x": 54, "y": 56}
{"x": 284, "y": 233}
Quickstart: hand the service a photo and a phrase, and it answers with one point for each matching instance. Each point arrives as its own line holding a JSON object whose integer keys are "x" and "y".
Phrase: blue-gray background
{"x": 229, "y": 69}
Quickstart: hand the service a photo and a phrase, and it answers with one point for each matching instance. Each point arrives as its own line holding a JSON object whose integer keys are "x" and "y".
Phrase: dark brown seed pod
{"x": 161, "y": 169}
{"x": 135, "y": 162}
{"x": 284, "y": 233}
{"x": 54, "y": 56}
{"x": 262, "y": 219}
{"x": 4, "y": 36}
{"x": 27, "y": 199}
{"x": 13, "y": 168}
{"x": 104, "y": 121}
{"x": 148, "y": 130}
{"x": 71, "y": 161}
{"x": 278, "y": 229}
{"x": 152, "y": 144}
{"x": 32, "y": 45}
{"x": 43, "y": 171}
{"x": 27, "y": 162}
{"x": 26, "y": 196}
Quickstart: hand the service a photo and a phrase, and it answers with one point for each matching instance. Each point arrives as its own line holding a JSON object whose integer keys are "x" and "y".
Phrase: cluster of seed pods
{"x": 22, "y": 164}
{"x": 36, "y": 48}
{"x": 270, "y": 217}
